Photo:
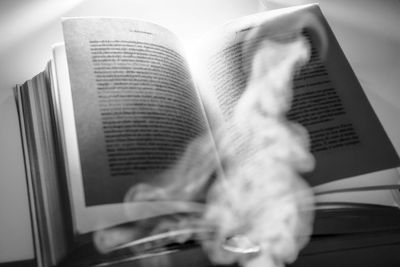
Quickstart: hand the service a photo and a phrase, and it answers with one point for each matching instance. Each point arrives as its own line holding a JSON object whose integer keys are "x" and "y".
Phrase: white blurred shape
{"x": 28, "y": 17}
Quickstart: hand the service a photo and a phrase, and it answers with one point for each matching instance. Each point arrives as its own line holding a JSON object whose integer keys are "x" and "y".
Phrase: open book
{"x": 121, "y": 99}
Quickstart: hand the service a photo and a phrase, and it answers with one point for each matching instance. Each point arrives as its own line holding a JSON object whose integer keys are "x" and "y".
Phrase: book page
{"x": 346, "y": 137}
{"x": 135, "y": 109}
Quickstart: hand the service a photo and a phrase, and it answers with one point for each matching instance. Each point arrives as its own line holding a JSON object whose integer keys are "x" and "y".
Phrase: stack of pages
{"x": 84, "y": 124}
